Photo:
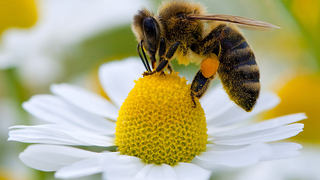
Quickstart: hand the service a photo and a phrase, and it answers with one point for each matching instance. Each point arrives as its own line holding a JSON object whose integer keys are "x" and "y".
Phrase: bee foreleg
{"x": 169, "y": 67}
{"x": 162, "y": 47}
{"x": 172, "y": 50}
{"x": 162, "y": 51}
{"x": 164, "y": 61}
{"x": 163, "y": 64}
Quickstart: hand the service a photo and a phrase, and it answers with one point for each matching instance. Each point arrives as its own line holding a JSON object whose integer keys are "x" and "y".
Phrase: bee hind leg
{"x": 202, "y": 79}
{"x": 199, "y": 85}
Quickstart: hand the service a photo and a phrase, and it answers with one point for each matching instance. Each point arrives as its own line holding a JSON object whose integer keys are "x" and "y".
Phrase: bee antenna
{"x": 145, "y": 59}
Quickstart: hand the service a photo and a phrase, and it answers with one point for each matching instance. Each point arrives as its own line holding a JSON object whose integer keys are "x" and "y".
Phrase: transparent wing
{"x": 232, "y": 19}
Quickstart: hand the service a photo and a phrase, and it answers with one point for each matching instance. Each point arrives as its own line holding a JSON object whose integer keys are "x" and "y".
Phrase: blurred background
{"x": 53, "y": 41}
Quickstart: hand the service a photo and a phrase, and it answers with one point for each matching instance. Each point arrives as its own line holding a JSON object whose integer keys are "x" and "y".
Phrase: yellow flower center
{"x": 159, "y": 123}
{"x": 13, "y": 13}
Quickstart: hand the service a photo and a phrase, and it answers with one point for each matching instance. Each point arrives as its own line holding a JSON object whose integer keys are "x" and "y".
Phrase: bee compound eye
{"x": 149, "y": 26}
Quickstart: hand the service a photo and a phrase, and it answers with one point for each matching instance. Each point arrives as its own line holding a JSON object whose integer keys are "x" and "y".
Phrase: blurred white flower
{"x": 304, "y": 167}
{"x": 37, "y": 51}
{"x": 77, "y": 117}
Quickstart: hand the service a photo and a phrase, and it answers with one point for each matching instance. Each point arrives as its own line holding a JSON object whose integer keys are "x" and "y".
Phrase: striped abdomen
{"x": 238, "y": 69}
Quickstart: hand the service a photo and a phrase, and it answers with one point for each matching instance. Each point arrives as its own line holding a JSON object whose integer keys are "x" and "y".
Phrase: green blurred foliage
{"x": 307, "y": 16}
{"x": 114, "y": 44}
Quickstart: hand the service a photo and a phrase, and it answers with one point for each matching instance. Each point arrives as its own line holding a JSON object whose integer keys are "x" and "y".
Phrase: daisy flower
{"x": 157, "y": 132}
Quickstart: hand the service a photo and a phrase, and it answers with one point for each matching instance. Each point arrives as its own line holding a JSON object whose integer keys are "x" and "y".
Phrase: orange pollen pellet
{"x": 209, "y": 66}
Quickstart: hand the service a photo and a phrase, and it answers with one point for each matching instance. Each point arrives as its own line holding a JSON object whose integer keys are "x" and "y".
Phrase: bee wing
{"x": 232, "y": 19}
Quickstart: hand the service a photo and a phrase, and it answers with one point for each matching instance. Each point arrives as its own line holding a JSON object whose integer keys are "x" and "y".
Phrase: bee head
{"x": 147, "y": 30}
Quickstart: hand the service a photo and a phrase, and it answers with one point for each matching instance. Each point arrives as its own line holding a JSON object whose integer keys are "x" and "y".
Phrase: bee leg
{"x": 201, "y": 81}
{"x": 169, "y": 67}
{"x": 172, "y": 50}
{"x": 162, "y": 51}
{"x": 199, "y": 85}
{"x": 164, "y": 60}
{"x": 164, "y": 63}
{"x": 162, "y": 48}
{"x": 216, "y": 48}
{"x": 192, "y": 98}
{"x": 210, "y": 48}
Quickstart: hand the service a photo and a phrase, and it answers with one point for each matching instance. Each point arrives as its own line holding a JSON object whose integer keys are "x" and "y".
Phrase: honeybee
{"x": 183, "y": 30}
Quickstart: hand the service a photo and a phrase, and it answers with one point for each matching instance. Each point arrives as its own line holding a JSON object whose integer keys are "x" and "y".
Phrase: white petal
{"x": 143, "y": 173}
{"x": 216, "y": 102}
{"x": 267, "y": 124}
{"x": 85, "y": 100}
{"x": 236, "y": 114}
{"x": 121, "y": 167}
{"x": 268, "y": 135}
{"x": 29, "y": 136}
{"x": 156, "y": 172}
{"x": 283, "y": 150}
{"x": 51, "y": 157}
{"x": 162, "y": 172}
{"x": 188, "y": 171}
{"x": 57, "y": 134}
{"x": 117, "y": 78}
{"x": 234, "y": 156}
{"x": 82, "y": 168}
{"x": 54, "y": 110}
